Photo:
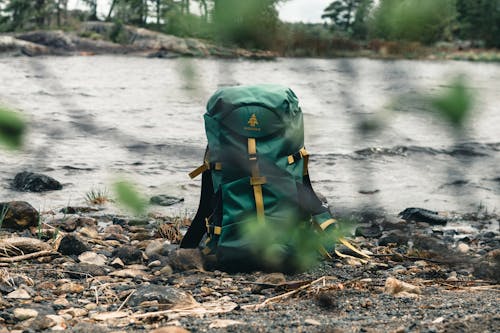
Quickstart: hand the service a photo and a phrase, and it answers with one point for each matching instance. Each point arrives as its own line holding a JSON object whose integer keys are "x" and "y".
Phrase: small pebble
{"x": 463, "y": 248}
{"x": 18, "y": 294}
{"x": 23, "y": 314}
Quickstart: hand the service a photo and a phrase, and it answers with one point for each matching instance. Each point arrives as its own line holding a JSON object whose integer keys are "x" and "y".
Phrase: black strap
{"x": 309, "y": 200}
{"x": 198, "y": 228}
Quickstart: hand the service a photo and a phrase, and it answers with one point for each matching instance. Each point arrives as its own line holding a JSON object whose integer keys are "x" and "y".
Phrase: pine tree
{"x": 342, "y": 13}
{"x": 480, "y": 20}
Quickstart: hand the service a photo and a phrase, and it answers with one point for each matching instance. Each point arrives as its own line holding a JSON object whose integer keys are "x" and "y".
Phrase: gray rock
{"x": 165, "y": 200}
{"x": 18, "y": 294}
{"x": 128, "y": 254}
{"x": 186, "y": 259}
{"x": 423, "y": 215}
{"x": 77, "y": 210}
{"x": 17, "y": 46}
{"x": 52, "y": 39}
{"x": 168, "y": 297}
{"x": 34, "y": 182}
{"x": 72, "y": 245}
{"x": 158, "y": 247}
{"x": 89, "y": 328}
{"x": 23, "y": 314}
{"x": 90, "y": 257}
{"x": 370, "y": 231}
{"x": 84, "y": 270}
{"x": 395, "y": 237}
{"x": 71, "y": 223}
{"x": 428, "y": 243}
{"x": 489, "y": 266}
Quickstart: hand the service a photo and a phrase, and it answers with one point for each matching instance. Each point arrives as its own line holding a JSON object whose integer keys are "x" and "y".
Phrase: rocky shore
{"x": 81, "y": 269}
{"x": 94, "y": 38}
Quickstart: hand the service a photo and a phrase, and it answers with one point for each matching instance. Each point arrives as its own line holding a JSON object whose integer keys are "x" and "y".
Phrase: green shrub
{"x": 118, "y": 33}
{"x": 425, "y": 21}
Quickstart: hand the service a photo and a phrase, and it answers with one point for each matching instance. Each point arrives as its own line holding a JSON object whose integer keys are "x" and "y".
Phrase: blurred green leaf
{"x": 12, "y": 128}
{"x": 273, "y": 242}
{"x": 454, "y": 104}
{"x": 128, "y": 196}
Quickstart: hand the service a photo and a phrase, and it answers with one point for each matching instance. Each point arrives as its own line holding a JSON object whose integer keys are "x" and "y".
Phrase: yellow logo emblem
{"x": 253, "y": 121}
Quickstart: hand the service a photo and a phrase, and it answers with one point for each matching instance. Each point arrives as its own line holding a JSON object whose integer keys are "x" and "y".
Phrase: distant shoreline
{"x": 93, "y": 39}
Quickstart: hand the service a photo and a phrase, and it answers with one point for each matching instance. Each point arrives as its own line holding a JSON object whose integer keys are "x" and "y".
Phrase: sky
{"x": 308, "y": 11}
{"x": 291, "y": 11}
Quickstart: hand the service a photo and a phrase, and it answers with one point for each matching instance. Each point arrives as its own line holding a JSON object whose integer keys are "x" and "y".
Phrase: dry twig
{"x": 27, "y": 256}
{"x": 285, "y": 295}
{"x": 126, "y": 300}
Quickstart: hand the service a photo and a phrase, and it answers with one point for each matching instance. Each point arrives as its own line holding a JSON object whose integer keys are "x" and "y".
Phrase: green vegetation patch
{"x": 12, "y": 128}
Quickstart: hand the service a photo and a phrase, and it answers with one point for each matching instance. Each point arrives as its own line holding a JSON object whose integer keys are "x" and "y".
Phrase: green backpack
{"x": 255, "y": 177}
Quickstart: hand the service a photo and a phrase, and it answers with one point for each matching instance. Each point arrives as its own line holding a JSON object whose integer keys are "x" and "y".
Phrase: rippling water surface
{"x": 93, "y": 119}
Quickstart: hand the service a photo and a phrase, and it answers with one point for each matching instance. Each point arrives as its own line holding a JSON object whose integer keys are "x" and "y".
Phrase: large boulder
{"x": 18, "y": 215}
{"x": 35, "y": 182}
{"x": 13, "y": 45}
{"x": 57, "y": 39}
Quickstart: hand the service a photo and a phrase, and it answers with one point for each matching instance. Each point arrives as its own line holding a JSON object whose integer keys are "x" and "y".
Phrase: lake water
{"x": 96, "y": 119}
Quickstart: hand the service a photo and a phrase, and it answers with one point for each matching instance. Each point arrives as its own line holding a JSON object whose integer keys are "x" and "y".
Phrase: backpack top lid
{"x": 254, "y": 111}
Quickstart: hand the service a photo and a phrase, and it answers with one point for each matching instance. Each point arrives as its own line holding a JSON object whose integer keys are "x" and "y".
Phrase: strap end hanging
{"x": 198, "y": 171}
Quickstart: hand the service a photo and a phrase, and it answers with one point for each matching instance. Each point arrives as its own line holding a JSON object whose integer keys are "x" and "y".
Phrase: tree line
{"x": 250, "y": 23}
{"x": 425, "y": 21}
{"x": 255, "y": 23}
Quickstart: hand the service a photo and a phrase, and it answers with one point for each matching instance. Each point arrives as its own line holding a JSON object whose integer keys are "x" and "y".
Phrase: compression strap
{"x": 256, "y": 180}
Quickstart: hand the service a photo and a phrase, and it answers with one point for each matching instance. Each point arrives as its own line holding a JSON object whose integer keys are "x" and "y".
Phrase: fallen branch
{"x": 164, "y": 312}
{"x": 196, "y": 309}
{"x": 494, "y": 287}
{"x": 285, "y": 295}
{"x": 27, "y": 256}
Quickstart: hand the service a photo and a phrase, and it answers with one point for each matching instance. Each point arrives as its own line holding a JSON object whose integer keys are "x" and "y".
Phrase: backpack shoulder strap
{"x": 197, "y": 228}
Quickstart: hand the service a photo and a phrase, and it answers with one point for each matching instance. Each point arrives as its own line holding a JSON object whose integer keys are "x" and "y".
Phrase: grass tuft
{"x": 97, "y": 196}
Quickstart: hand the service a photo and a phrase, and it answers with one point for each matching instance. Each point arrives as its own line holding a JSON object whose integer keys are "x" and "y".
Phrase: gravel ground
{"x": 116, "y": 274}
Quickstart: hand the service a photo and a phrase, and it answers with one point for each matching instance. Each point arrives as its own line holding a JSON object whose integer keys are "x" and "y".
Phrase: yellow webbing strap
{"x": 302, "y": 152}
{"x": 351, "y": 247}
{"x": 327, "y": 223}
{"x": 199, "y": 170}
{"x": 252, "y": 146}
{"x": 202, "y": 168}
{"x": 256, "y": 181}
{"x": 342, "y": 240}
{"x": 341, "y": 255}
{"x": 217, "y": 230}
{"x": 305, "y": 155}
{"x": 206, "y": 250}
